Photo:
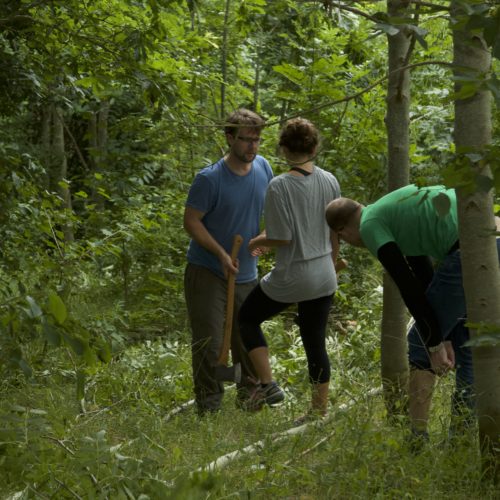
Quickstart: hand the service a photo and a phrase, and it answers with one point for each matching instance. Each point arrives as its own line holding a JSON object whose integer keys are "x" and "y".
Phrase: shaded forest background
{"x": 107, "y": 111}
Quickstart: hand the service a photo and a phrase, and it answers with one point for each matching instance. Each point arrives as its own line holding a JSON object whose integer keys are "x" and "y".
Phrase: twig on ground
{"x": 94, "y": 413}
{"x": 312, "y": 448}
{"x": 66, "y": 487}
{"x": 154, "y": 443}
{"x": 60, "y": 442}
{"x": 179, "y": 409}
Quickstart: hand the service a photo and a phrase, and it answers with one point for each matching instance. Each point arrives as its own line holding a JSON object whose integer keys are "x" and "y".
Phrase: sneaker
{"x": 271, "y": 395}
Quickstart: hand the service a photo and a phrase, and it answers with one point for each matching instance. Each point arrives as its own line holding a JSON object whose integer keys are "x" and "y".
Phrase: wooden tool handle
{"x": 231, "y": 280}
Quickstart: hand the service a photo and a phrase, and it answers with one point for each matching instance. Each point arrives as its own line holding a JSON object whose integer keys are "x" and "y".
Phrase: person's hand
{"x": 228, "y": 266}
{"x": 341, "y": 264}
{"x": 255, "y": 248}
{"x": 443, "y": 359}
{"x": 258, "y": 251}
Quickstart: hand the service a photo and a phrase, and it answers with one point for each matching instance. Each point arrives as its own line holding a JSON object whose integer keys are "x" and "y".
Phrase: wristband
{"x": 436, "y": 348}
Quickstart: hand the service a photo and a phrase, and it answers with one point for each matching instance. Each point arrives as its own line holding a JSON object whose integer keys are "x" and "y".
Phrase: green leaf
{"x": 35, "y": 311}
{"x": 419, "y": 34}
{"x": 88, "y": 82}
{"x": 442, "y": 204}
{"x": 484, "y": 183}
{"x": 89, "y": 356}
{"x": 104, "y": 352}
{"x": 389, "y": 29}
{"x": 484, "y": 340}
{"x": 57, "y": 308}
{"x": 291, "y": 72}
{"x": 75, "y": 343}
{"x": 51, "y": 334}
{"x": 28, "y": 372}
{"x": 493, "y": 84}
{"x": 37, "y": 411}
{"x": 80, "y": 384}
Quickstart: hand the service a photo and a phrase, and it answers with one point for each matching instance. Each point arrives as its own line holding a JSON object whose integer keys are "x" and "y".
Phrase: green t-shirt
{"x": 409, "y": 216}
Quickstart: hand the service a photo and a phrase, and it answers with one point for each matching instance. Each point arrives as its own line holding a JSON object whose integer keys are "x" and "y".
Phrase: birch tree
{"x": 394, "y": 359}
{"x": 481, "y": 274}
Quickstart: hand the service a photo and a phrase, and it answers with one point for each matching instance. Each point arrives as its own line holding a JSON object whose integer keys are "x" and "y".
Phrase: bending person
{"x": 304, "y": 270}
{"x": 404, "y": 230}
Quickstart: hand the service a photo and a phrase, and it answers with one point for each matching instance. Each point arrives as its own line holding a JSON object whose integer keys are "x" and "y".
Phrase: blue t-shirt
{"x": 232, "y": 204}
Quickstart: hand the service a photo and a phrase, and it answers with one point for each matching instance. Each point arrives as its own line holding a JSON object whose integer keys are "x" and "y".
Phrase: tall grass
{"x": 125, "y": 441}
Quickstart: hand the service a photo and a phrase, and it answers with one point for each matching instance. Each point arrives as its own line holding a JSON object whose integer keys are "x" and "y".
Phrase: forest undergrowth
{"x": 136, "y": 434}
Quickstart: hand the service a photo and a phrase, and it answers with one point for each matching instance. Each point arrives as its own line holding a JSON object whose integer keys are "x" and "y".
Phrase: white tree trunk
{"x": 394, "y": 357}
{"x": 61, "y": 168}
{"x": 481, "y": 274}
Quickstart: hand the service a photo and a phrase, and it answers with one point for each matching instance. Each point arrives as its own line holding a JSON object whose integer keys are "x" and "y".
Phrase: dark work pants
{"x": 206, "y": 296}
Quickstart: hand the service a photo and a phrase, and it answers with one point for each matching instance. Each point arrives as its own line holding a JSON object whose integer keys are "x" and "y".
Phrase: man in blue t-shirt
{"x": 225, "y": 199}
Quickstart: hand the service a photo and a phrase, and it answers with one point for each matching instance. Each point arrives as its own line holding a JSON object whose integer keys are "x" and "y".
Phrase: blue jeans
{"x": 447, "y": 298}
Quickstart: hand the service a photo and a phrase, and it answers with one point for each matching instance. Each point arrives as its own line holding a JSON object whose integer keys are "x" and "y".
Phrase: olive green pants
{"x": 206, "y": 296}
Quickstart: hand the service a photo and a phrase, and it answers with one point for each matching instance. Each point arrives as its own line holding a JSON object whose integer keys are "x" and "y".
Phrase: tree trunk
{"x": 224, "y": 52}
{"x": 98, "y": 143}
{"x": 481, "y": 274}
{"x": 256, "y": 86}
{"x": 394, "y": 357}
{"x": 102, "y": 145}
{"x": 45, "y": 140}
{"x": 61, "y": 169}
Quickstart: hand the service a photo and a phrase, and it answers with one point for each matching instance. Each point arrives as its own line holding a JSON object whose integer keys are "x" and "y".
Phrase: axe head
{"x": 228, "y": 373}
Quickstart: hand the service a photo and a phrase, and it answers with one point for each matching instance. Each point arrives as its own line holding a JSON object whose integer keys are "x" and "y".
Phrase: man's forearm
{"x": 197, "y": 230}
{"x": 412, "y": 292}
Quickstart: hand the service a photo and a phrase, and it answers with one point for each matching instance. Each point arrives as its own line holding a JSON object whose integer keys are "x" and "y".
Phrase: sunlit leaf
{"x": 57, "y": 308}
{"x": 34, "y": 310}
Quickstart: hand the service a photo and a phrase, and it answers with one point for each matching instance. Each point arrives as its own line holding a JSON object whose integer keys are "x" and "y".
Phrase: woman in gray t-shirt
{"x": 304, "y": 271}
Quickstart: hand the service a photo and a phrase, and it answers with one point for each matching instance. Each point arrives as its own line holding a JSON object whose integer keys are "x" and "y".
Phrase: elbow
{"x": 187, "y": 225}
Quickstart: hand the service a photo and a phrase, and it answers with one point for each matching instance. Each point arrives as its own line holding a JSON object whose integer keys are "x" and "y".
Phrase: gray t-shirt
{"x": 294, "y": 210}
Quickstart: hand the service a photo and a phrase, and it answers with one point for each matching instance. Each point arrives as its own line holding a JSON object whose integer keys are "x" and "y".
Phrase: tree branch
{"x": 73, "y": 140}
{"x": 407, "y": 58}
{"x": 361, "y": 13}
{"x": 361, "y": 92}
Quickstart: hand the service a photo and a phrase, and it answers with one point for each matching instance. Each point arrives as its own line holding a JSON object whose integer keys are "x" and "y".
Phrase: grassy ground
{"x": 126, "y": 441}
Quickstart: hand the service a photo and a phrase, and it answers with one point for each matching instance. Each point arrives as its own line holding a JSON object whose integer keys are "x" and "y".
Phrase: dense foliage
{"x": 107, "y": 110}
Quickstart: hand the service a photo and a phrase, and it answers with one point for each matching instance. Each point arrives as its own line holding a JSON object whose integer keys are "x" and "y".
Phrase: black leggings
{"x": 313, "y": 317}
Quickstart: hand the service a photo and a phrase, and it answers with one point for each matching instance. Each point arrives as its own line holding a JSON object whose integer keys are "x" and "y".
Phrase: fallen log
{"x": 224, "y": 460}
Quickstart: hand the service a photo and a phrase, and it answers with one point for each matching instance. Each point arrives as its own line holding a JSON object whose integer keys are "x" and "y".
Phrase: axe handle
{"x": 231, "y": 279}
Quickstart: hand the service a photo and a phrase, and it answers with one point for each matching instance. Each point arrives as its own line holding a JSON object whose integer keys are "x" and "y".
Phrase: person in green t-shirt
{"x": 413, "y": 232}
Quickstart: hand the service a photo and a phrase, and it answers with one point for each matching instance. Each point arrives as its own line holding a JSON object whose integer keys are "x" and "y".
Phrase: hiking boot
{"x": 271, "y": 394}
{"x": 245, "y": 399}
